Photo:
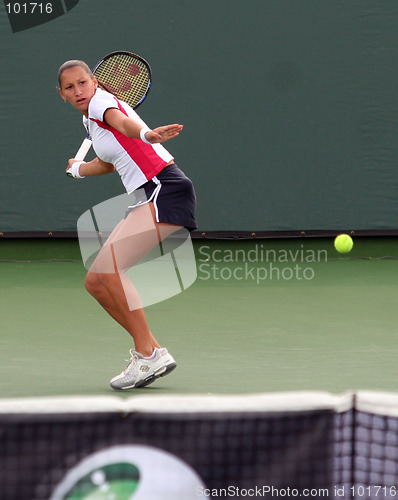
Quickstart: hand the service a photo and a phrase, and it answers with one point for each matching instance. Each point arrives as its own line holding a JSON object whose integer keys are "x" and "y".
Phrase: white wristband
{"x": 75, "y": 170}
{"x": 143, "y": 131}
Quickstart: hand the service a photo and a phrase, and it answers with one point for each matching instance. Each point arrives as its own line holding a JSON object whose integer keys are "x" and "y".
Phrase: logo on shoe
{"x": 144, "y": 368}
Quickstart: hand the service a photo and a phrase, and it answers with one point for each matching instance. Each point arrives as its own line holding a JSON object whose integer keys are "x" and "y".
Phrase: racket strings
{"x": 125, "y": 76}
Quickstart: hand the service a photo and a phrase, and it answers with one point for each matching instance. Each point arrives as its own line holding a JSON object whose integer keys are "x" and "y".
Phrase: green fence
{"x": 289, "y": 106}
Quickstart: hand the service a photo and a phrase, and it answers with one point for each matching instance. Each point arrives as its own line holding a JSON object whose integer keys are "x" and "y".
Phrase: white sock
{"x": 152, "y": 355}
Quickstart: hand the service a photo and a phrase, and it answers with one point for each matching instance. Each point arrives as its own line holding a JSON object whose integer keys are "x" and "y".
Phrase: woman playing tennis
{"x": 123, "y": 142}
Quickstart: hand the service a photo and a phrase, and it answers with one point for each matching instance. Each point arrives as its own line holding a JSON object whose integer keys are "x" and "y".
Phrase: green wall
{"x": 289, "y": 106}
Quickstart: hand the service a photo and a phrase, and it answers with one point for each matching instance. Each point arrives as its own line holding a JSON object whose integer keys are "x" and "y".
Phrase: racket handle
{"x": 82, "y": 153}
{"x": 83, "y": 150}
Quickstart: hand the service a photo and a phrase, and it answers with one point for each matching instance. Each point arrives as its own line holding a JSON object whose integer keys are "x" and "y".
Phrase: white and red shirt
{"x": 135, "y": 161}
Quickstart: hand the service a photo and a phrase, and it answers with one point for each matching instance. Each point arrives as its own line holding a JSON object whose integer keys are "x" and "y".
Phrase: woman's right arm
{"x": 93, "y": 167}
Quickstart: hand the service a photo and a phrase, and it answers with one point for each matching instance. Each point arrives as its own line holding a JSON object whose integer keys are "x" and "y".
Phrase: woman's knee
{"x": 99, "y": 283}
{"x": 93, "y": 284}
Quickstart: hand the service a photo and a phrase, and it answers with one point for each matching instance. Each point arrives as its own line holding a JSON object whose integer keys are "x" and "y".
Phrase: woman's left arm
{"x": 130, "y": 128}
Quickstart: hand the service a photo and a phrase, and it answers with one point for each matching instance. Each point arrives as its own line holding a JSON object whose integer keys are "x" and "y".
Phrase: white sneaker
{"x": 141, "y": 372}
{"x": 168, "y": 361}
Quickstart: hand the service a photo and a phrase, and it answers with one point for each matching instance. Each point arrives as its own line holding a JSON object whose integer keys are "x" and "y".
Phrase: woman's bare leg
{"x": 133, "y": 238}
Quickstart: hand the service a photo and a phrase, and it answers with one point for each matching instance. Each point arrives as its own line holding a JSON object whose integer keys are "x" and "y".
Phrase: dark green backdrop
{"x": 289, "y": 107}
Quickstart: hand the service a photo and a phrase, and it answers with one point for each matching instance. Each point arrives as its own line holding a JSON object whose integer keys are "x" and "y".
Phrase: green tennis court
{"x": 332, "y": 327}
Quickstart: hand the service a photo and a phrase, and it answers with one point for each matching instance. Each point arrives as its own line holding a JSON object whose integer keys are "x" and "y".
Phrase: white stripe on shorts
{"x": 155, "y": 194}
{"x": 153, "y": 198}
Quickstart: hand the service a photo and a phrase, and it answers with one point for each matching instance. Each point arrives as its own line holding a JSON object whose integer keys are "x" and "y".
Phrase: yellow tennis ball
{"x": 343, "y": 243}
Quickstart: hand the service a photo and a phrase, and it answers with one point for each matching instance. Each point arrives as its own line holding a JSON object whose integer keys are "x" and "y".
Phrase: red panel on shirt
{"x": 149, "y": 162}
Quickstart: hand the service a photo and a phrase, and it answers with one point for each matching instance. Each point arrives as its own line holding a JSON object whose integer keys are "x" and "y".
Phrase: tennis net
{"x": 287, "y": 445}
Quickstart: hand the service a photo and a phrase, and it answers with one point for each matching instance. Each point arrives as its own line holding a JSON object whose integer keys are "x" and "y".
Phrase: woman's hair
{"x": 72, "y": 64}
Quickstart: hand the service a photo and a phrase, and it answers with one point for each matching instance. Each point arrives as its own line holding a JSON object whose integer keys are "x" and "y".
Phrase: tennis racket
{"x": 125, "y": 75}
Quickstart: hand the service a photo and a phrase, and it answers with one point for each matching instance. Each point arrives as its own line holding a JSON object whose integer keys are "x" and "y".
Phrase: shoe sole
{"x": 143, "y": 383}
{"x": 169, "y": 368}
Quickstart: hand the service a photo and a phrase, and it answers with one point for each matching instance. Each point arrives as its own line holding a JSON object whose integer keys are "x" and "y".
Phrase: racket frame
{"x": 131, "y": 54}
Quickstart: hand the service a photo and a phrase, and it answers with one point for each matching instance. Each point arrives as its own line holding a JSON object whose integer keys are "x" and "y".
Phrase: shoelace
{"x": 133, "y": 360}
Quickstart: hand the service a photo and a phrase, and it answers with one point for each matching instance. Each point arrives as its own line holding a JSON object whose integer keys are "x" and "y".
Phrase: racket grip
{"x": 83, "y": 150}
{"x": 82, "y": 153}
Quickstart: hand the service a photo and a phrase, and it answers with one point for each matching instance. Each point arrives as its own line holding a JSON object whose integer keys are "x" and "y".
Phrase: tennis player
{"x": 123, "y": 142}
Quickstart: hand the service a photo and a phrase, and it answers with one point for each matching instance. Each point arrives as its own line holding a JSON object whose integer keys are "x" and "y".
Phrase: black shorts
{"x": 173, "y": 196}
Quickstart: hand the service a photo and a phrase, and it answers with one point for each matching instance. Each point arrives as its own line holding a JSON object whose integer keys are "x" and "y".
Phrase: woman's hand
{"x": 164, "y": 133}
{"x": 71, "y": 161}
